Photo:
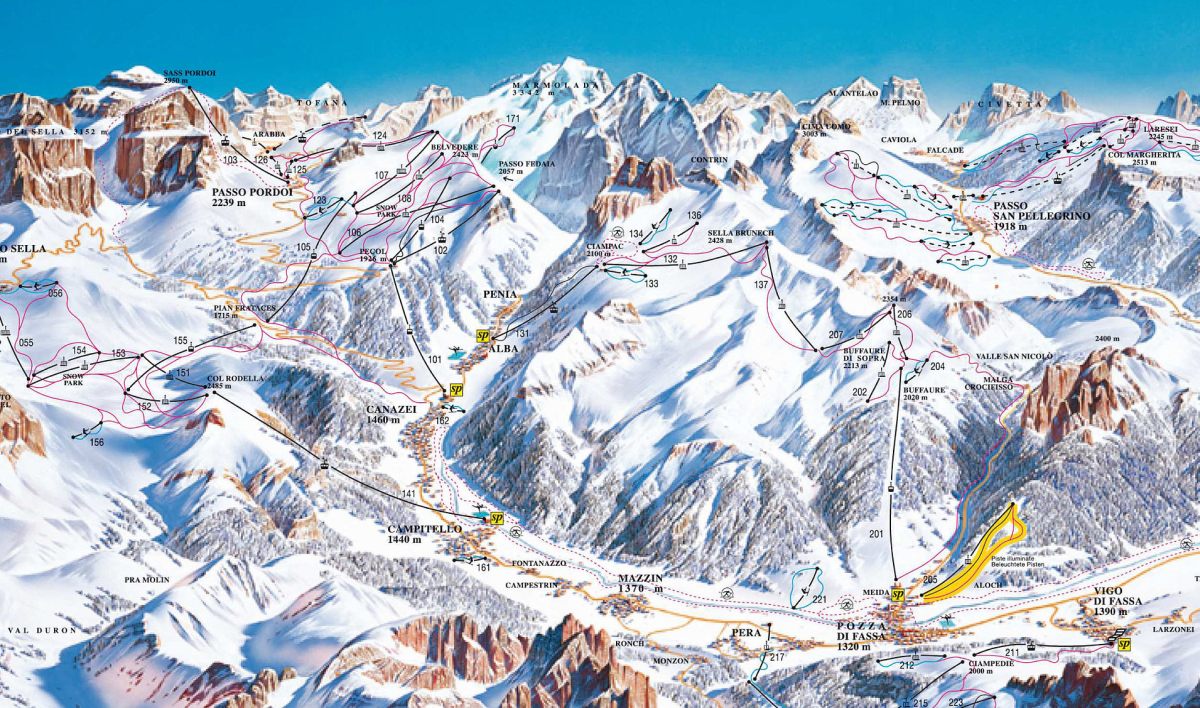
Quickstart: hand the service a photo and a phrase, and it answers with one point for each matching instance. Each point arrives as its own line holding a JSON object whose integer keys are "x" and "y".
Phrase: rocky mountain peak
{"x": 1003, "y": 102}
{"x": 723, "y": 130}
{"x": 717, "y": 95}
{"x": 899, "y": 105}
{"x": 433, "y": 91}
{"x": 574, "y": 664}
{"x": 638, "y": 89}
{"x": 1095, "y": 393}
{"x": 1063, "y": 102}
{"x": 898, "y": 89}
{"x": 482, "y": 654}
{"x": 742, "y": 176}
{"x": 18, "y": 430}
{"x": 90, "y": 102}
{"x": 327, "y": 91}
{"x": 1182, "y": 107}
{"x": 656, "y": 176}
{"x": 862, "y": 86}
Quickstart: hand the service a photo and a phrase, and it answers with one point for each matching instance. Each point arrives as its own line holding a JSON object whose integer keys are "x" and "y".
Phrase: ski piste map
{"x": 579, "y": 390}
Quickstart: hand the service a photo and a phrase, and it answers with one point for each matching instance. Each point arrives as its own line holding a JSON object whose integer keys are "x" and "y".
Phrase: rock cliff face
{"x": 1070, "y": 397}
{"x": 167, "y": 146}
{"x": 1182, "y": 107}
{"x": 483, "y": 655}
{"x": 906, "y": 94}
{"x": 743, "y": 177}
{"x": 42, "y": 160}
{"x": 571, "y": 665}
{"x": 258, "y": 692}
{"x": 633, "y": 184}
{"x": 574, "y": 665}
{"x": 18, "y": 432}
{"x": 1079, "y": 686}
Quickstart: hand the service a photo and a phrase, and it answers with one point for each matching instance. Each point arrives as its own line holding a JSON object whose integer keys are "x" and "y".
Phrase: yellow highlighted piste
{"x": 993, "y": 541}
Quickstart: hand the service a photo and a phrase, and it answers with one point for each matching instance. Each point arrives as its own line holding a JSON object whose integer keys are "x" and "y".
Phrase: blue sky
{"x": 1112, "y": 56}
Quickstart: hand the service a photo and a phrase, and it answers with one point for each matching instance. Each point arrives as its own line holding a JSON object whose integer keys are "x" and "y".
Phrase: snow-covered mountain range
{"x": 732, "y": 370}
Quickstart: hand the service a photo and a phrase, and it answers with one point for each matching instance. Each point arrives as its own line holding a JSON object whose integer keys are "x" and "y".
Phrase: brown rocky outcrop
{"x": 1173, "y": 183}
{"x": 476, "y": 122}
{"x": 216, "y": 684}
{"x": 424, "y": 699}
{"x": 345, "y": 152}
{"x": 972, "y": 315}
{"x": 742, "y": 177}
{"x": 1070, "y": 397}
{"x": 656, "y": 176}
{"x": 430, "y": 105}
{"x": 18, "y": 432}
{"x": 1182, "y": 107}
{"x": 633, "y": 184}
{"x": 167, "y": 146}
{"x": 433, "y": 678}
{"x": 484, "y": 655}
{"x": 897, "y": 275}
{"x": 1064, "y": 102}
{"x": 379, "y": 663}
{"x": 702, "y": 176}
{"x": 42, "y": 160}
{"x": 439, "y": 106}
{"x": 258, "y": 693}
{"x": 307, "y": 528}
{"x": 572, "y": 663}
{"x": 501, "y": 210}
{"x": 212, "y": 416}
{"x": 1079, "y": 685}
